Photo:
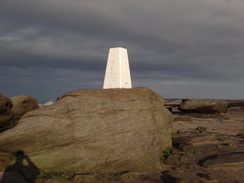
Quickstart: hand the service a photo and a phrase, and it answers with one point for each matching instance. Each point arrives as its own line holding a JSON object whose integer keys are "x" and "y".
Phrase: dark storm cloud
{"x": 171, "y": 43}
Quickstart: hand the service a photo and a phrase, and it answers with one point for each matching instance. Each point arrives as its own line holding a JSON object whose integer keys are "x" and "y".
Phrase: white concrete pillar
{"x": 117, "y": 73}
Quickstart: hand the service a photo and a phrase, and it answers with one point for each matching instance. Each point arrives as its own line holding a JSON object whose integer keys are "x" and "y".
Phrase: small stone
{"x": 183, "y": 181}
{"x": 129, "y": 176}
{"x": 220, "y": 139}
{"x": 175, "y": 151}
{"x": 241, "y": 135}
{"x": 169, "y": 108}
{"x": 232, "y": 145}
{"x": 179, "y": 169}
{"x": 184, "y": 158}
{"x": 190, "y": 166}
{"x": 210, "y": 176}
{"x": 188, "y": 148}
{"x": 201, "y": 129}
{"x": 173, "y": 159}
{"x": 85, "y": 177}
{"x": 179, "y": 132}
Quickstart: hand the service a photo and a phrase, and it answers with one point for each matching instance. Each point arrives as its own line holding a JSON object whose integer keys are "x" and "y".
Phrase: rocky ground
{"x": 206, "y": 149}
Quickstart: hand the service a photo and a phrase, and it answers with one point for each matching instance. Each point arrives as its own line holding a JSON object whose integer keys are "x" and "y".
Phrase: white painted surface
{"x": 117, "y": 73}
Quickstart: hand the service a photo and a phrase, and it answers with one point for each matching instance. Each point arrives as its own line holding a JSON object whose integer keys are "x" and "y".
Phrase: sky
{"x": 178, "y": 48}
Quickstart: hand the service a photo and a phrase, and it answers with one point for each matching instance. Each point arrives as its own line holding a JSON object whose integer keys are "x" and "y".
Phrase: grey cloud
{"x": 168, "y": 41}
{"x": 46, "y": 83}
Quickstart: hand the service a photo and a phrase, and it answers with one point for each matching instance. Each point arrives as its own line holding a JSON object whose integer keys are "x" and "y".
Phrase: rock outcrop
{"x": 225, "y": 160}
{"x": 203, "y": 106}
{"x": 95, "y": 131}
{"x": 6, "y": 115}
{"x": 22, "y": 104}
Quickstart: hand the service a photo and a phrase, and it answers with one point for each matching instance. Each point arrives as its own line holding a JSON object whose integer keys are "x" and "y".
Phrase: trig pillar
{"x": 117, "y": 73}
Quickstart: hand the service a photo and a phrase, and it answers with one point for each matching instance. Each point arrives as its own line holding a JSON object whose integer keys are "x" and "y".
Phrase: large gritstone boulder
{"x": 6, "y": 115}
{"x": 95, "y": 131}
{"x": 203, "y": 106}
{"x": 23, "y": 104}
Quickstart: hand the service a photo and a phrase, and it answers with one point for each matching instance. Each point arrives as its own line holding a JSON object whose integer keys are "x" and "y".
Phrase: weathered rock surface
{"x": 234, "y": 159}
{"x": 218, "y": 147}
{"x": 95, "y": 131}
{"x": 6, "y": 115}
{"x": 203, "y": 106}
{"x": 22, "y": 104}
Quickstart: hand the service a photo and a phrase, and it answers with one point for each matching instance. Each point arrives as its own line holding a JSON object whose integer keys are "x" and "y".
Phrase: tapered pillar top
{"x": 117, "y": 73}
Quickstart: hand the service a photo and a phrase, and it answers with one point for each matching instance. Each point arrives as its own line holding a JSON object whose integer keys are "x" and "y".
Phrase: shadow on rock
{"x": 166, "y": 178}
{"x": 202, "y": 161}
{"x": 23, "y": 170}
{"x": 235, "y": 159}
